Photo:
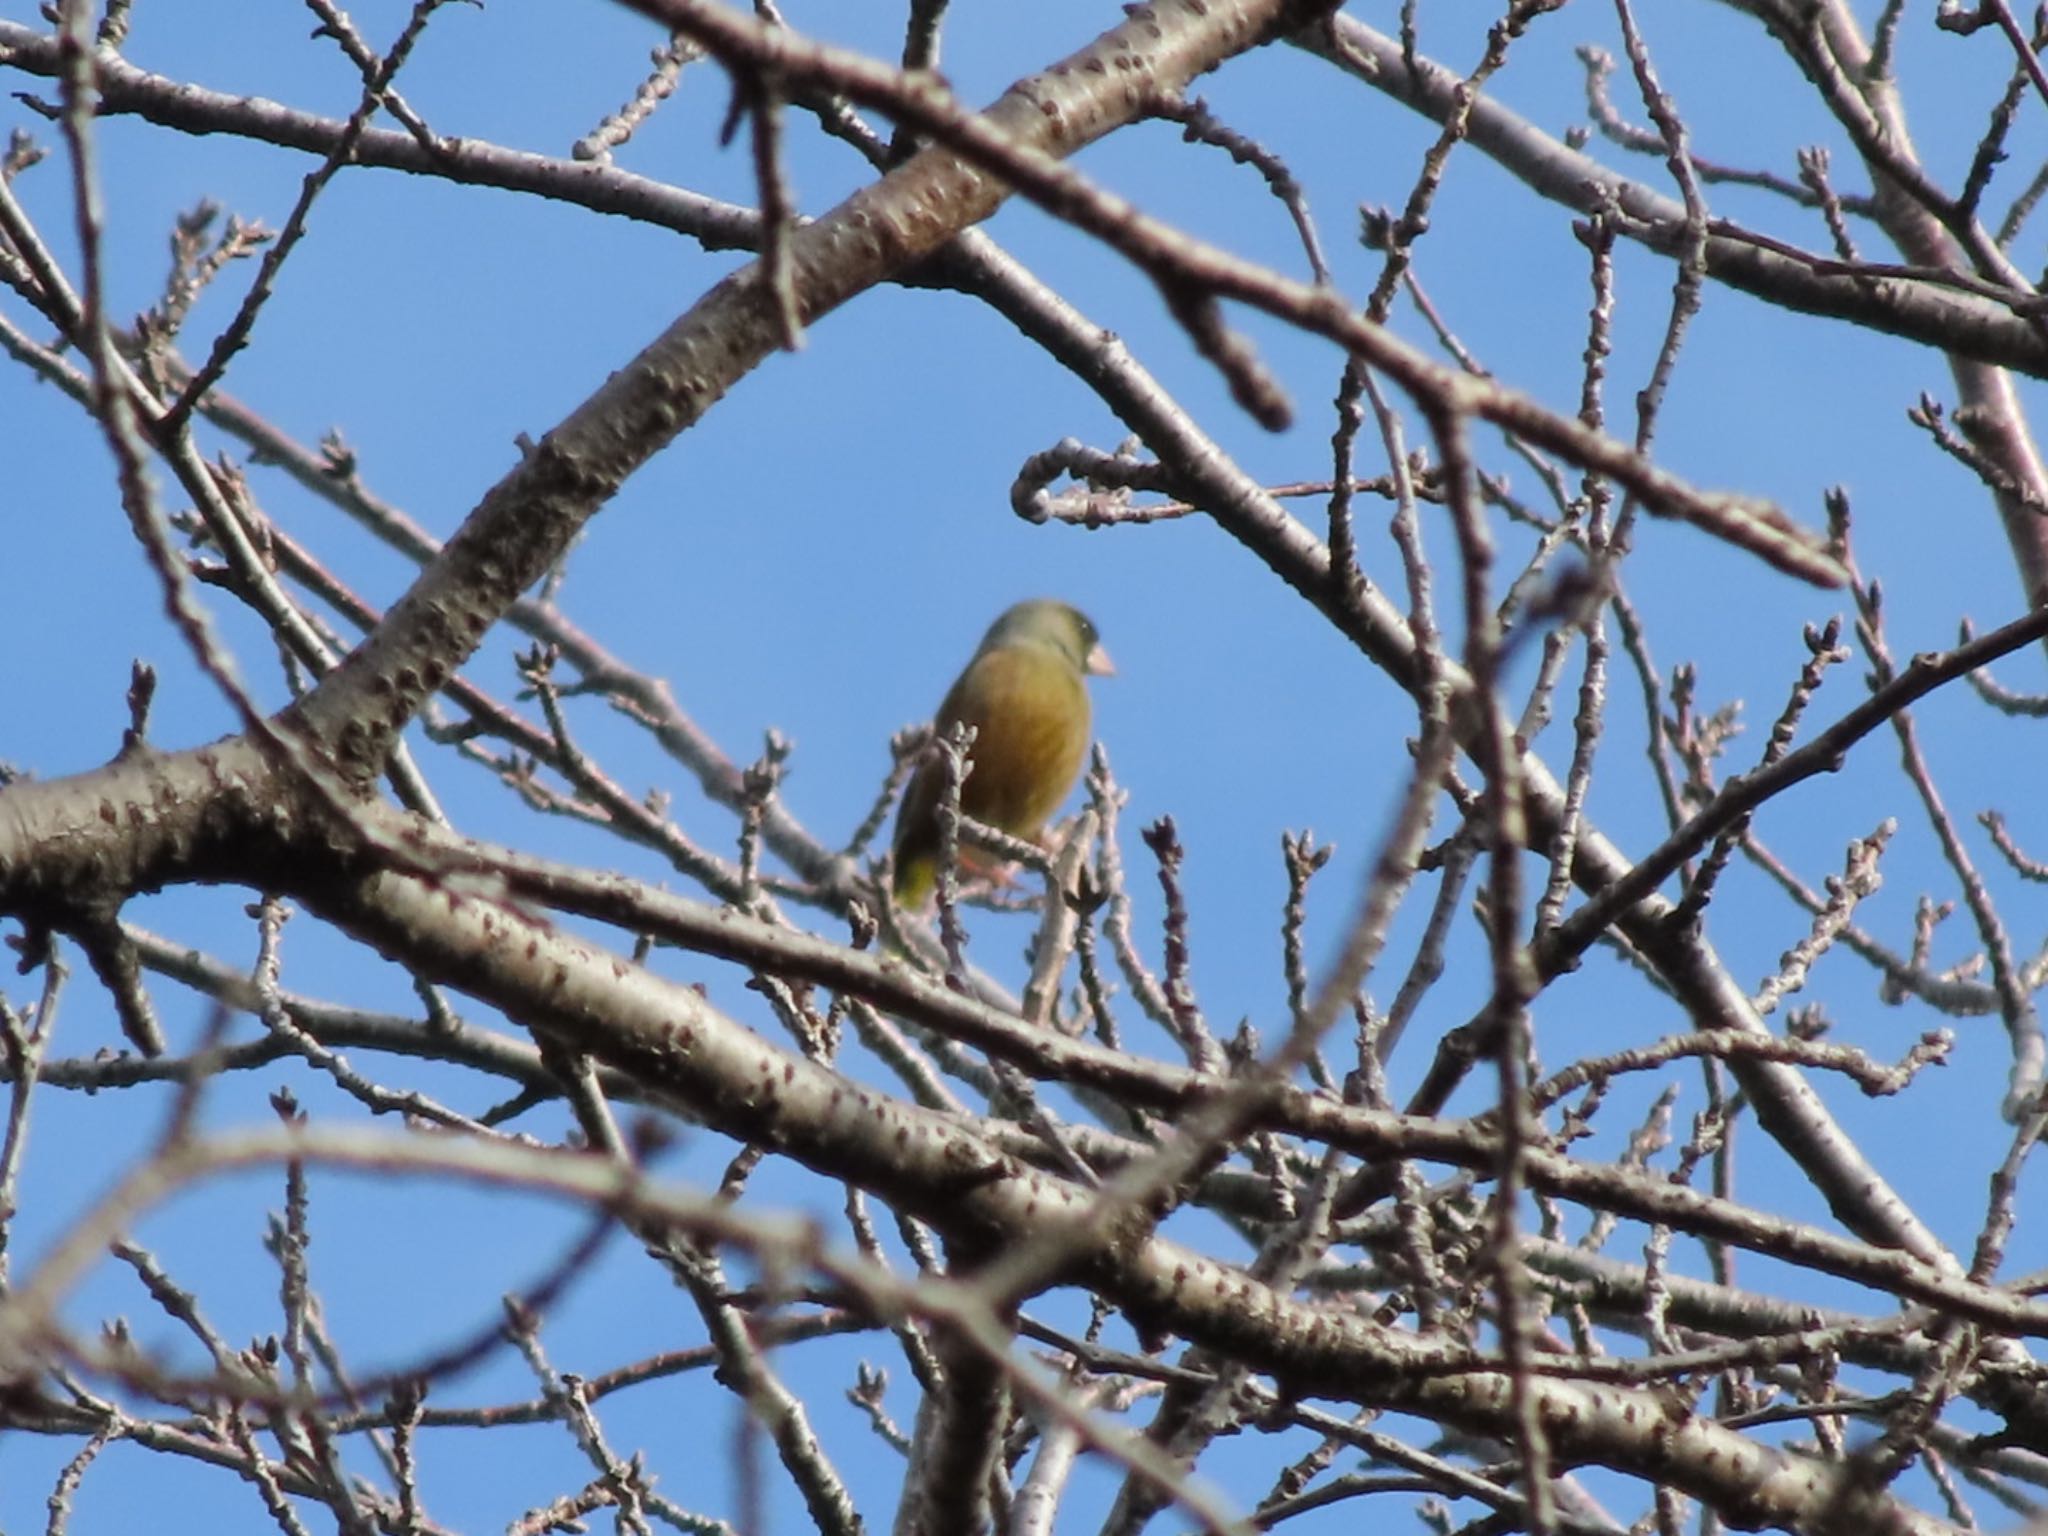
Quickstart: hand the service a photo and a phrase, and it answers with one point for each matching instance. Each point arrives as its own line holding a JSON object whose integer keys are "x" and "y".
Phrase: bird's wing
{"x": 1029, "y": 710}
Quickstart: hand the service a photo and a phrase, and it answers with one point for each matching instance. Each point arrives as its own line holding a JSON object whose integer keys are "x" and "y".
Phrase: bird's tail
{"x": 916, "y": 877}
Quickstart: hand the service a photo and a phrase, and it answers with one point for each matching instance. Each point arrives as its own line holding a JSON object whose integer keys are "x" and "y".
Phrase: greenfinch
{"x": 1025, "y": 693}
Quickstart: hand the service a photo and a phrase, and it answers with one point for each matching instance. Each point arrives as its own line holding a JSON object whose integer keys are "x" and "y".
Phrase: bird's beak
{"x": 1098, "y": 663}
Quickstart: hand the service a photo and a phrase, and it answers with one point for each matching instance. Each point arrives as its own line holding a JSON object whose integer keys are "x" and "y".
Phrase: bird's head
{"x": 1045, "y": 621}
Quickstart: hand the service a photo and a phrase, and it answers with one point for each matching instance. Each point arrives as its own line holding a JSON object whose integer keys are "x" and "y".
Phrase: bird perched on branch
{"x": 1025, "y": 693}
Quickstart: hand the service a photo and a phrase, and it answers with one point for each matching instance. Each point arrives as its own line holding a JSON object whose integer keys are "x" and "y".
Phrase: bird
{"x": 1025, "y": 692}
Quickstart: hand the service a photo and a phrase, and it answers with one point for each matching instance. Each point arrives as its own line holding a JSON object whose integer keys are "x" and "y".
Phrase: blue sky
{"x": 822, "y": 551}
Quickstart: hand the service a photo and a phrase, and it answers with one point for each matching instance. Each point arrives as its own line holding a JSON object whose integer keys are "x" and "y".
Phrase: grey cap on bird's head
{"x": 1047, "y": 620}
